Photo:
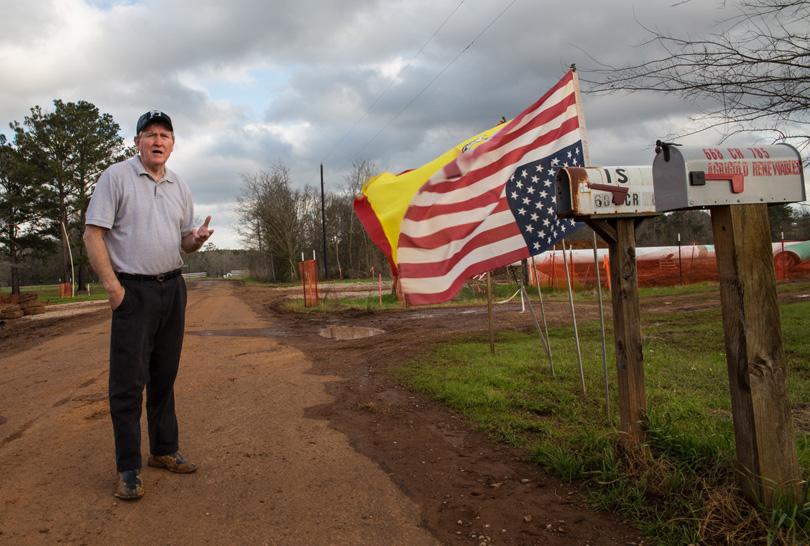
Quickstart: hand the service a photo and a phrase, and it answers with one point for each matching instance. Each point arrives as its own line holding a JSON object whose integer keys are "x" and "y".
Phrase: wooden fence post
{"x": 620, "y": 234}
{"x": 755, "y": 355}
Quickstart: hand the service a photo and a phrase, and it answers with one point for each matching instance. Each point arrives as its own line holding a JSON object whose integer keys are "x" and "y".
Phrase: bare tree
{"x": 280, "y": 223}
{"x": 754, "y": 73}
{"x": 273, "y": 216}
{"x": 362, "y": 253}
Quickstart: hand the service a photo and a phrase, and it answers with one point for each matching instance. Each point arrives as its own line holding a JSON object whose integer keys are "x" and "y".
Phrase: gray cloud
{"x": 249, "y": 82}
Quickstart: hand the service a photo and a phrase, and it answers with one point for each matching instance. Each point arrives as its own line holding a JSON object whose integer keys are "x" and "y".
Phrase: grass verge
{"x": 49, "y": 294}
{"x": 681, "y": 487}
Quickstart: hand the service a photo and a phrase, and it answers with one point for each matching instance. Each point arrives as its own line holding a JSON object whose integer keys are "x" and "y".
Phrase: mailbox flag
{"x": 461, "y": 224}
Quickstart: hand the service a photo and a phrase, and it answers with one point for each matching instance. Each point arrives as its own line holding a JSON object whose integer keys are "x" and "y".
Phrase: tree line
{"x": 47, "y": 176}
{"x": 284, "y": 224}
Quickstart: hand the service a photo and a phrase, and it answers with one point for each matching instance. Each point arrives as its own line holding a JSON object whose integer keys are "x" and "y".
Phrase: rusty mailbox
{"x": 605, "y": 192}
{"x": 694, "y": 177}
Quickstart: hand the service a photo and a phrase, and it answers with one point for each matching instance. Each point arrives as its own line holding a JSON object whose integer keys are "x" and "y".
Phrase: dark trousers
{"x": 146, "y": 338}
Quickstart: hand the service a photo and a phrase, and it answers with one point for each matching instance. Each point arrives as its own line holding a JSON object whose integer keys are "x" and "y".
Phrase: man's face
{"x": 155, "y": 145}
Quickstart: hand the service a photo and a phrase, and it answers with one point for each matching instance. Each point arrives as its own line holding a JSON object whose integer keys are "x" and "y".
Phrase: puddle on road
{"x": 349, "y": 332}
{"x": 246, "y": 332}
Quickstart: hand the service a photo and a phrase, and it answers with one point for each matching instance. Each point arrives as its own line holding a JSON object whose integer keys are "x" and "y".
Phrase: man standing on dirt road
{"x": 140, "y": 216}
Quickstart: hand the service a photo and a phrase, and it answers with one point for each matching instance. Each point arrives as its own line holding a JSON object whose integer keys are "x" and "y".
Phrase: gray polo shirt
{"x": 146, "y": 220}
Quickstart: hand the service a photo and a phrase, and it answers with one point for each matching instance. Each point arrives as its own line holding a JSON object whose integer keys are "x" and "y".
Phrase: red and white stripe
{"x": 459, "y": 223}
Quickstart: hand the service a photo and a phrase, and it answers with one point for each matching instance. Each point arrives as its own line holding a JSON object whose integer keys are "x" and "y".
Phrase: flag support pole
{"x": 489, "y": 313}
{"x": 536, "y": 324}
{"x": 573, "y": 317}
{"x": 620, "y": 235}
{"x": 543, "y": 314}
{"x": 602, "y": 323}
{"x": 586, "y": 154}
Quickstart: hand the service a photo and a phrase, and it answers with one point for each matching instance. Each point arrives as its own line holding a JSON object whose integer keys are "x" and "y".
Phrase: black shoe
{"x": 130, "y": 486}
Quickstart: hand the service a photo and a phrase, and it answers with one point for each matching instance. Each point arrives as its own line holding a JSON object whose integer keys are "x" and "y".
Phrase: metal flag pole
{"x": 543, "y": 314}
{"x": 534, "y": 318}
{"x": 573, "y": 317}
{"x": 602, "y": 323}
{"x": 489, "y": 312}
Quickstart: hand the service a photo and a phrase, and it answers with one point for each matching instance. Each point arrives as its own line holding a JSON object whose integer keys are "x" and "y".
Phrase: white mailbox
{"x": 693, "y": 177}
{"x": 605, "y": 192}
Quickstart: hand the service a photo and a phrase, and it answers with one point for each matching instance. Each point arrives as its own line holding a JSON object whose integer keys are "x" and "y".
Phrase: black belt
{"x": 160, "y": 278}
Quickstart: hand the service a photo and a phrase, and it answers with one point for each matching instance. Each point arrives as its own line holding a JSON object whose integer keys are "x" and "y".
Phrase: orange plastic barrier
{"x": 667, "y": 266}
{"x": 308, "y": 271}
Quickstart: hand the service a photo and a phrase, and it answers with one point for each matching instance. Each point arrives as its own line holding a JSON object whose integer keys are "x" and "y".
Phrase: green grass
{"x": 332, "y": 305}
{"x": 674, "y": 488}
{"x": 475, "y": 294}
{"x": 249, "y": 280}
{"x": 49, "y": 293}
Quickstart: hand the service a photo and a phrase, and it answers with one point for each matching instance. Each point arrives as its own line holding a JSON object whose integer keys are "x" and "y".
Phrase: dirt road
{"x": 301, "y": 440}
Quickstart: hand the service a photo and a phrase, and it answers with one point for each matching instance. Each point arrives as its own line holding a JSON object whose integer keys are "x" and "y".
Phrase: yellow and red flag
{"x": 386, "y": 197}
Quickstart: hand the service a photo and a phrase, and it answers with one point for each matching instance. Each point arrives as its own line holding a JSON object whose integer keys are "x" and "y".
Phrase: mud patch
{"x": 247, "y": 332}
{"x": 98, "y": 397}
{"x": 17, "y": 434}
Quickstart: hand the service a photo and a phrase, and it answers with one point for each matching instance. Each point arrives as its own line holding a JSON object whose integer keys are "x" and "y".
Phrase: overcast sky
{"x": 305, "y": 82}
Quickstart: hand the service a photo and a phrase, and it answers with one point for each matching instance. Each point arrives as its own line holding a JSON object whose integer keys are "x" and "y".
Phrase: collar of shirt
{"x": 168, "y": 175}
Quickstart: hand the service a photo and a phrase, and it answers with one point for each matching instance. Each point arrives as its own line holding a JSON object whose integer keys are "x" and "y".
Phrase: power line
{"x": 431, "y": 81}
{"x": 391, "y": 83}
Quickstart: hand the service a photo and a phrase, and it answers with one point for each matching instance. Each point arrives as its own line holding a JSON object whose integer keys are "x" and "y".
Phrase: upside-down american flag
{"x": 495, "y": 204}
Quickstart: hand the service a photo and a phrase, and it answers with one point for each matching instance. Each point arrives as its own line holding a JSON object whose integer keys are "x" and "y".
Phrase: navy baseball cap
{"x": 151, "y": 117}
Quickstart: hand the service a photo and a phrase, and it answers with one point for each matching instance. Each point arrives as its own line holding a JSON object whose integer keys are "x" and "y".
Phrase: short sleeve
{"x": 102, "y": 207}
{"x": 188, "y": 217}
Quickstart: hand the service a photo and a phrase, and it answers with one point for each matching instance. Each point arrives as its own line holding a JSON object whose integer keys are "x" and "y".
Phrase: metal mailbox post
{"x": 736, "y": 184}
{"x": 614, "y": 202}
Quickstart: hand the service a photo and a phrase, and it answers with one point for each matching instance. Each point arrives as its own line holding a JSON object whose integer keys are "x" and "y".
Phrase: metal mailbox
{"x": 605, "y": 192}
{"x": 694, "y": 177}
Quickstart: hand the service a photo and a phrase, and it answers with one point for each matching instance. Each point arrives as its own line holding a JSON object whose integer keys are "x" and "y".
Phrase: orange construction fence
{"x": 656, "y": 266}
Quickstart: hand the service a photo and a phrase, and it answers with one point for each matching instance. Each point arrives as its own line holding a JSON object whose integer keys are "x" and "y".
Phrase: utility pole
{"x": 323, "y": 223}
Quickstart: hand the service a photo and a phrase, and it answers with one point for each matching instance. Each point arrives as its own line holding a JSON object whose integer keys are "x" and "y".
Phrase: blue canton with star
{"x": 531, "y": 194}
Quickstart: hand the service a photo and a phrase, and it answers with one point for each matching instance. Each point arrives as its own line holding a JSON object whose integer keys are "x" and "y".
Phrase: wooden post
{"x": 755, "y": 355}
{"x": 620, "y": 234}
